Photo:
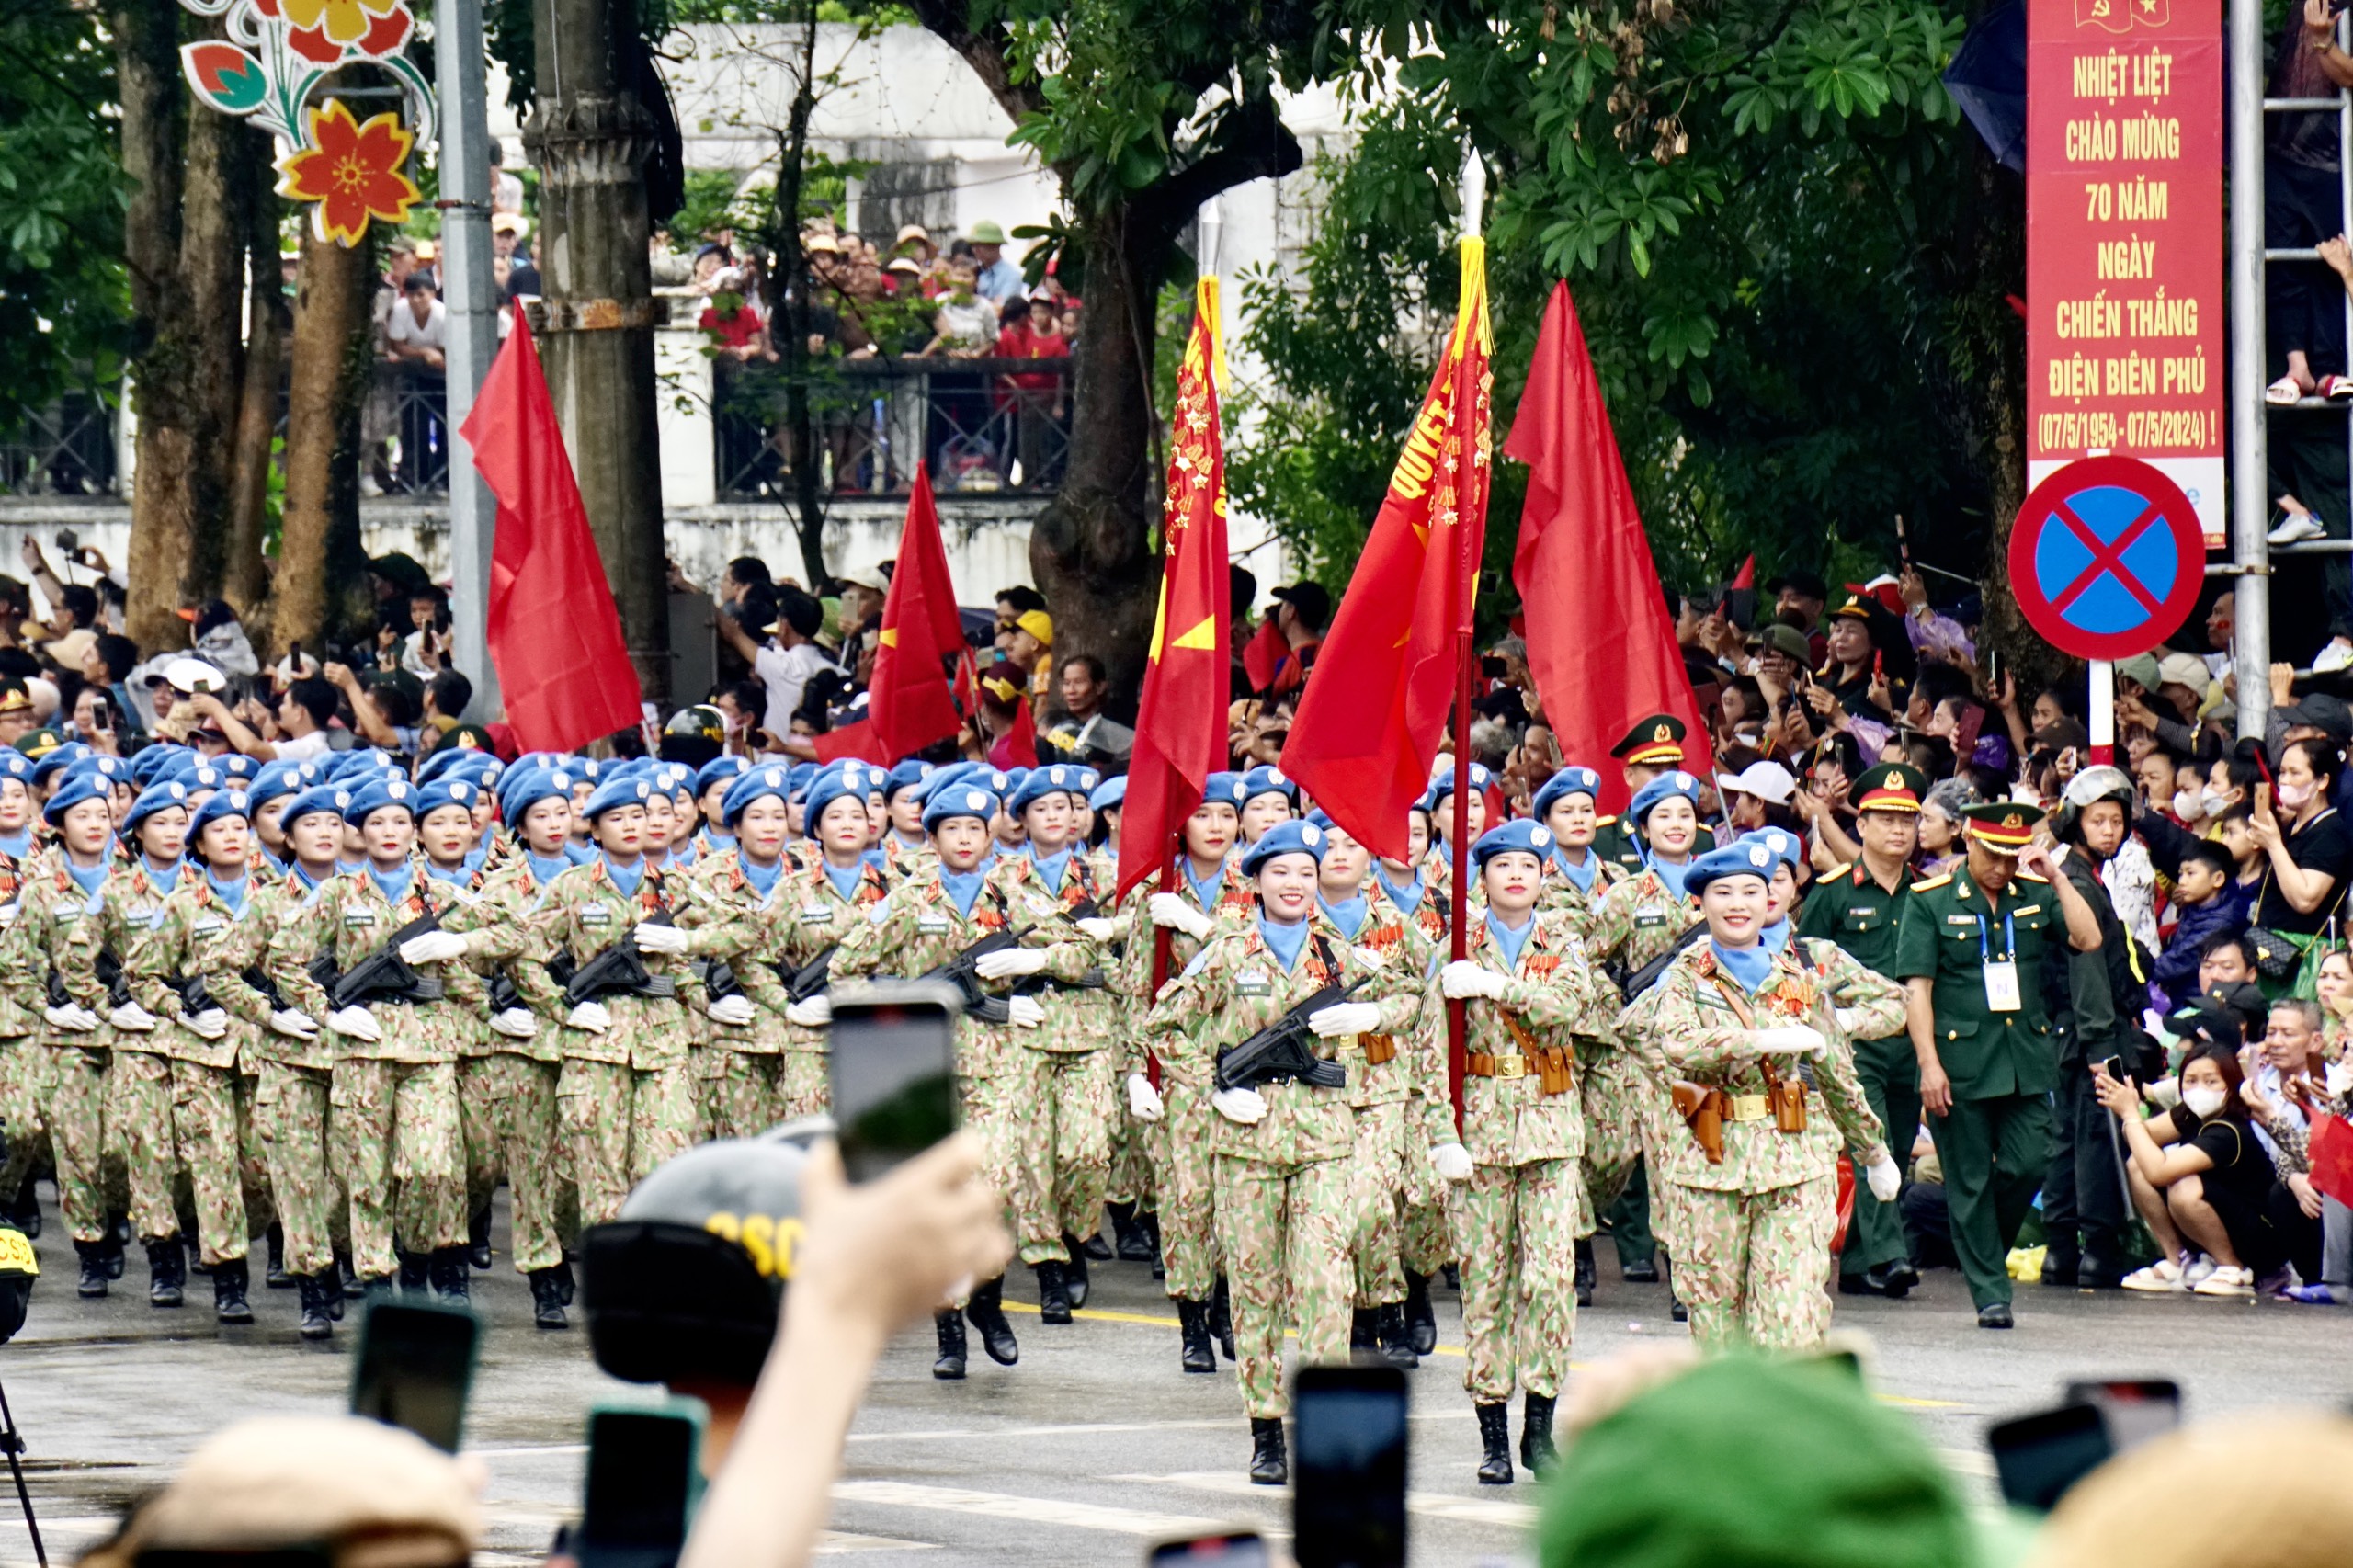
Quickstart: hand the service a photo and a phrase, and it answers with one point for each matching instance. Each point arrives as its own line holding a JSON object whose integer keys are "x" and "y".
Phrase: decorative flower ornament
{"x": 350, "y": 173}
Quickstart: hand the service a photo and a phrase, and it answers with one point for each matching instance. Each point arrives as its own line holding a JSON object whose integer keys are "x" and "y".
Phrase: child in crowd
{"x": 2208, "y": 907}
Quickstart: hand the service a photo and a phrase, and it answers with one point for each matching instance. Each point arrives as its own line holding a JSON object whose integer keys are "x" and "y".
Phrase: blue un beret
{"x": 1442, "y": 784}
{"x": 377, "y": 794}
{"x": 627, "y": 791}
{"x": 56, "y": 762}
{"x": 1266, "y": 781}
{"x": 152, "y": 762}
{"x": 431, "y": 798}
{"x": 845, "y": 780}
{"x": 1110, "y": 795}
{"x": 769, "y": 779}
{"x": 1061, "y": 779}
{"x": 718, "y": 770}
{"x": 1527, "y": 836}
{"x": 1292, "y": 837}
{"x": 75, "y": 788}
{"x": 155, "y": 798}
{"x": 237, "y": 767}
{"x": 280, "y": 779}
{"x": 223, "y": 803}
{"x": 958, "y": 801}
{"x": 1779, "y": 841}
{"x": 905, "y": 776}
{"x": 1222, "y": 789}
{"x": 1667, "y": 786}
{"x": 324, "y": 797}
{"x": 1568, "y": 782}
{"x": 524, "y": 787}
{"x": 1741, "y": 859}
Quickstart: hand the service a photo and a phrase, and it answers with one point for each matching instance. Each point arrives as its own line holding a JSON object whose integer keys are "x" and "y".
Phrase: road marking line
{"x": 1429, "y": 1504}
{"x": 1028, "y": 1510}
{"x": 833, "y": 1543}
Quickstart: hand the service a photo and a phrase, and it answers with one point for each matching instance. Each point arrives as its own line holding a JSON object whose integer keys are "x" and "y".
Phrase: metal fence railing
{"x": 67, "y": 449}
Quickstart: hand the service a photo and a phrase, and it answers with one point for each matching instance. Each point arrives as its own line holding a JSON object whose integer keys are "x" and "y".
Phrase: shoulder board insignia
{"x": 1932, "y": 883}
{"x": 1605, "y": 822}
{"x": 2030, "y": 877}
{"x": 1836, "y": 872}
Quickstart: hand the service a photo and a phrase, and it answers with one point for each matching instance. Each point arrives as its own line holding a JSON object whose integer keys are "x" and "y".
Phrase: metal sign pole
{"x": 2250, "y": 499}
{"x": 2103, "y": 713}
{"x": 457, "y": 53}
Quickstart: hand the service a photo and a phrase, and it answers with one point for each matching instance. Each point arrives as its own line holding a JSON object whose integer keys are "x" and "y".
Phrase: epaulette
{"x": 1605, "y": 822}
{"x": 1932, "y": 883}
{"x": 1837, "y": 871}
{"x": 2030, "y": 877}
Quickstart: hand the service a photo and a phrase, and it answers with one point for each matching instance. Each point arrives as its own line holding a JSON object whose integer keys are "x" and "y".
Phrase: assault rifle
{"x": 961, "y": 972}
{"x": 383, "y": 975}
{"x": 1643, "y": 979}
{"x": 1280, "y": 1052}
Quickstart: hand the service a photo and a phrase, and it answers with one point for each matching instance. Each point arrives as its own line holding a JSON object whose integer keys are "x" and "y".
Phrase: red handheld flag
{"x": 1180, "y": 726}
{"x": 1369, "y": 727}
{"x": 1599, "y": 641}
{"x": 2331, "y": 1147}
{"x": 908, "y": 704}
{"x": 554, "y": 631}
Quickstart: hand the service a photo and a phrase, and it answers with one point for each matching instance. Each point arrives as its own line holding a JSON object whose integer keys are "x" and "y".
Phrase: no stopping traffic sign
{"x": 2107, "y": 557}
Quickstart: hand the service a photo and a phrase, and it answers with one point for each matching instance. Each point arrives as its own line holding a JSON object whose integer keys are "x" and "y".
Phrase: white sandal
{"x": 2226, "y": 1280}
{"x": 2162, "y": 1275}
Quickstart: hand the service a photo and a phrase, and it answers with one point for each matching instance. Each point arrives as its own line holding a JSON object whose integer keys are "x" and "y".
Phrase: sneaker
{"x": 2194, "y": 1272}
{"x": 2164, "y": 1275}
{"x": 2224, "y": 1280}
{"x": 2337, "y": 655}
{"x": 2296, "y": 528}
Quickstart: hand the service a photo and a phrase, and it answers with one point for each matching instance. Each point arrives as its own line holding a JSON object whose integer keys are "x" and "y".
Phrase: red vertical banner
{"x": 2125, "y": 349}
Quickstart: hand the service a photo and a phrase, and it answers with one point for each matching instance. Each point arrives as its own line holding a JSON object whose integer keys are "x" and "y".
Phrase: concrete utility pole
{"x": 474, "y": 329}
{"x": 592, "y": 139}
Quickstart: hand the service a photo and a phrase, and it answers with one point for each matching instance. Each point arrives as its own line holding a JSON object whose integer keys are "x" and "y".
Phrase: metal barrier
{"x": 416, "y": 402}
{"x": 982, "y": 429}
{"x": 67, "y": 449}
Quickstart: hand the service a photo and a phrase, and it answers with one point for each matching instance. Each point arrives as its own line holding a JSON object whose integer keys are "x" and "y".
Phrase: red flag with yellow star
{"x": 1369, "y": 727}
{"x": 909, "y": 701}
{"x": 1180, "y": 726}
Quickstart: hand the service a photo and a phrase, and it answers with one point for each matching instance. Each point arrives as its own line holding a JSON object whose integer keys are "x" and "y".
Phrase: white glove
{"x": 1453, "y": 1162}
{"x": 74, "y": 1019}
{"x": 294, "y": 1023}
{"x": 1244, "y": 1106}
{"x": 1464, "y": 978}
{"x": 1789, "y": 1039}
{"x": 1095, "y": 927}
{"x": 9, "y": 914}
{"x": 1345, "y": 1018}
{"x": 132, "y": 1019}
{"x": 1170, "y": 910}
{"x": 1845, "y": 1018}
{"x": 433, "y": 947}
{"x": 357, "y": 1022}
{"x": 212, "y": 1023}
{"x": 1009, "y": 963}
{"x": 1143, "y": 1100}
{"x": 736, "y": 1009}
{"x": 814, "y": 1013}
{"x": 652, "y": 938}
{"x": 590, "y": 1016}
{"x": 1026, "y": 1013}
{"x": 1886, "y": 1178}
{"x": 516, "y": 1023}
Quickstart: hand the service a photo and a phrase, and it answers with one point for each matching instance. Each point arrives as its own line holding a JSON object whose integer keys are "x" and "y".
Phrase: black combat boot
{"x": 1053, "y": 1294}
{"x": 273, "y": 1272}
{"x": 1269, "y": 1466}
{"x": 377, "y": 1287}
{"x": 1074, "y": 1272}
{"x": 1095, "y": 1248}
{"x": 1396, "y": 1339}
{"x": 452, "y": 1280}
{"x": 351, "y": 1278}
{"x": 196, "y": 1263}
{"x": 478, "y": 1237}
{"x": 1193, "y": 1322}
{"x": 166, "y": 1272}
{"x": 119, "y": 1238}
{"x": 317, "y": 1291}
{"x": 229, "y": 1284}
{"x": 1494, "y": 1440}
{"x": 94, "y": 1268}
{"x": 1587, "y": 1276}
{"x": 416, "y": 1272}
{"x": 1130, "y": 1240}
{"x": 1151, "y": 1223}
{"x": 26, "y": 1212}
{"x": 1420, "y": 1320}
{"x": 1681, "y": 1314}
{"x": 987, "y": 1314}
{"x": 563, "y": 1278}
{"x": 1221, "y": 1319}
{"x": 1364, "y": 1332}
{"x": 1536, "y": 1451}
{"x": 547, "y": 1300}
{"x": 949, "y": 1365}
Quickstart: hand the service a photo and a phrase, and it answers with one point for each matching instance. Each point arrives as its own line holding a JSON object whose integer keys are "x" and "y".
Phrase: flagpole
{"x": 1474, "y": 197}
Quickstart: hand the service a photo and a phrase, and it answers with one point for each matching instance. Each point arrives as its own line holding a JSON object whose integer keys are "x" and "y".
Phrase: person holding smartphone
{"x": 1284, "y": 1207}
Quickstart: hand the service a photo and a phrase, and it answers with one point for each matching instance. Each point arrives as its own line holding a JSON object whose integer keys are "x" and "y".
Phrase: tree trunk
{"x": 320, "y": 564}
{"x": 245, "y": 584}
{"x": 216, "y": 226}
{"x": 1091, "y": 547}
{"x": 592, "y": 139}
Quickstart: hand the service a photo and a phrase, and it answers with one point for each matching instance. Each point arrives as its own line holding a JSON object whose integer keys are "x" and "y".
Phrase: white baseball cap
{"x": 1765, "y": 780}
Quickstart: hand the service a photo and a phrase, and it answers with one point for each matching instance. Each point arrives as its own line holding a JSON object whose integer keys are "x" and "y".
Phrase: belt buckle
{"x": 1747, "y": 1107}
{"x": 1511, "y": 1066}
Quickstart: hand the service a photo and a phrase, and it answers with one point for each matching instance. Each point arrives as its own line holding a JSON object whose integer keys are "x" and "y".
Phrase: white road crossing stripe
{"x": 1429, "y": 1504}
{"x": 1028, "y": 1510}
{"x": 833, "y": 1543}
{"x": 1074, "y": 1429}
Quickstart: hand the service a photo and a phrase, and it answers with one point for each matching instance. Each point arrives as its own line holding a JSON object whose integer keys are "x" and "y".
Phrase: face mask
{"x": 2188, "y": 805}
{"x": 2204, "y": 1101}
{"x": 2214, "y": 802}
{"x": 2295, "y": 797}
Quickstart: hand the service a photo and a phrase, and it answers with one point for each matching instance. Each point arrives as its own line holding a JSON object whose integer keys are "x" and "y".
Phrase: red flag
{"x": 1369, "y": 726}
{"x": 554, "y": 633}
{"x": 1017, "y": 748}
{"x": 1180, "y": 727}
{"x": 1263, "y": 655}
{"x": 908, "y": 703}
{"x": 1743, "y": 578}
{"x": 2331, "y": 1148}
{"x": 1599, "y": 641}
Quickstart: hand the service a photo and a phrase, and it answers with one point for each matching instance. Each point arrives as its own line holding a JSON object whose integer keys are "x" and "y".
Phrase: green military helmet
{"x": 685, "y": 1286}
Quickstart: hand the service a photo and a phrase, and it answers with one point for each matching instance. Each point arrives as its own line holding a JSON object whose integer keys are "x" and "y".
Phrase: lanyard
{"x": 2009, "y": 940}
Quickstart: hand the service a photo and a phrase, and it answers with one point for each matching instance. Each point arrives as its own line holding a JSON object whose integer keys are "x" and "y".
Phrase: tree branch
{"x": 1252, "y": 143}
{"x": 988, "y": 51}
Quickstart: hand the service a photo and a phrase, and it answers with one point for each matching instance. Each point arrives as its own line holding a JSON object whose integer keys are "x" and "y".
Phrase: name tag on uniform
{"x": 931, "y": 924}
{"x": 66, "y": 914}
{"x": 1649, "y": 918}
{"x": 1969, "y": 920}
{"x": 596, "y": 914}
{"x": 2022, "y": 911}
{"x": 2002, "y": 985}
{"x": 1252, "y": 983}
{"x": 145, "y": 912}
{"x": 816, "y": 915}
{"x": 361, "y": 920}
{"x": 1864, "y": 911}
{"x": 205, "y": 927}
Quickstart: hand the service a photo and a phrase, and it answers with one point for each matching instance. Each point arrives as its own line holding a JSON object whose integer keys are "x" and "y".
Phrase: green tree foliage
{"x": 64, "y": 309}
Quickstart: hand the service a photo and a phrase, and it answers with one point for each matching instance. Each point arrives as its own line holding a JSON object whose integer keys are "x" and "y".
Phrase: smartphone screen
{"x": 639, "y": 1488}
{"x": 1238, "y": 1548}
{"x": 894, "y": 1066}
{"x": 2135, "y": 1409}
{"x": 414, "y": 1368}
{"x": 2038, "y": 1457}
{"x": 1348, "y": 1505}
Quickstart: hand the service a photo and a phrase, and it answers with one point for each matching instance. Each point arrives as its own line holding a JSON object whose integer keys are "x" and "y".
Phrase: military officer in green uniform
{"x": 1860, "y": 907}
{"x": 1971, "y": 953}
{"x": 1655, "y": 745}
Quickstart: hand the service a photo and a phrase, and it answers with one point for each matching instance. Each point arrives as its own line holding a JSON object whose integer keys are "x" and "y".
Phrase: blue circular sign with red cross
{"x": 2107, "y": 557}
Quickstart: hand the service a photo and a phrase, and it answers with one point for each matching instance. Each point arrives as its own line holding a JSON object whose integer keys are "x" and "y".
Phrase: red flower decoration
{"x": 351, "y": 173}
{"x": 386, "y": 33}
{"x": 313, "y": 44}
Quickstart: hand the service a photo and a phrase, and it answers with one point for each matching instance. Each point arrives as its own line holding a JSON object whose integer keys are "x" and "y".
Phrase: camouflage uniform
{"x": 506, "y": 1085}
{"x": 394, "y": 1100}
{"x": 1285, "y": 1207}
{"x": 1428, "y": 1242}
{"x": 1755, "y": 1228}
{"x": 1607, "y": 1073}
{"x": 1065, "y": 1079}
{"x": 294, "y": 1082}
{"x": 1524, "y": 1206}
{"x": 69, "y": 1075}
{"x": 1392, "y": 1098}
{"x": 1181, "y": 1140}
{"x": 625, "y": 1098}
{"x": 24, "y": 972}
{"x": 1130, "y": 1181}
{"x": 138, "y": 1112}
{"x": 1638, "y": 920}
{"x": 196, "y": 935}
